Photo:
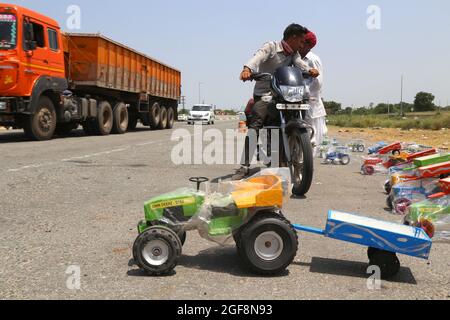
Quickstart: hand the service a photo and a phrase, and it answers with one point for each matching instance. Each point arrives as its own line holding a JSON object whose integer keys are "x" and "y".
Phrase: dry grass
{"x": 438, "y": 139}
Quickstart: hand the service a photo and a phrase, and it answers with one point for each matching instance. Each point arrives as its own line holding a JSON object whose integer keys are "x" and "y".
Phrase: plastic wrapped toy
{"x": 433, "y": 214}
{"x": 374, "y": 149}
{"x": 337, "y": 155}
{"x": 407, "y": 193}
{"x": 221, "y": 217}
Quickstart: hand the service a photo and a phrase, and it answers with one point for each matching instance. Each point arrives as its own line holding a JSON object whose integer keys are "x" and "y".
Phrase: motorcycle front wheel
{"x": 302, "y": 161}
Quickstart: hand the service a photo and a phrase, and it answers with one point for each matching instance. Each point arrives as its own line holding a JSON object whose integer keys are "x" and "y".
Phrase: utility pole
{"x": 183, "y": 103}
{"x": 401, "y": 99}
{"x": 200, "y": 92}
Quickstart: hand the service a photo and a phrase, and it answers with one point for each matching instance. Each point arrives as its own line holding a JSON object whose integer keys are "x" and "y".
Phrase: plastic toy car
{"x": 324, "y": 147}
{"x": 433, "y": 215}
{"x": 377, "y": 147}
{"x": 248, "y": 211}
{"x": 418, "y": 188}
{"x": 373, "y": 165}
{"x": 337, "y": 155}
{"x": 405, "y": 194}
{"x": 404, "y": 165}
{"x": 357, "y": 146}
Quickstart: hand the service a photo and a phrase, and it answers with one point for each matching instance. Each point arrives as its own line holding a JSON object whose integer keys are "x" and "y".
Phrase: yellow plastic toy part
{"x": 258, "y": 192}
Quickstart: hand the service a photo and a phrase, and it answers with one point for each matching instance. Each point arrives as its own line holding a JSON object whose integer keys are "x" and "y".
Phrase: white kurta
{"x": 317, "y": 114}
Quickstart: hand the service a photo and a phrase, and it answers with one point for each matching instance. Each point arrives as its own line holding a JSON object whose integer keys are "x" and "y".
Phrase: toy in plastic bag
{"x": 337, "y": 155}
{"x": 406, "y": 193}
{"x": 433, "y": 214}
{"x": 237, "y": 211}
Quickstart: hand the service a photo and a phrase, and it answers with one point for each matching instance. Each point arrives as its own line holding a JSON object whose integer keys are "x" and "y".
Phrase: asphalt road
{"x": 76, "y": 201}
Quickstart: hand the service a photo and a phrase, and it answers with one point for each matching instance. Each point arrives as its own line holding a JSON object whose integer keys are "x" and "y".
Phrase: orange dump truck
{"x": 52, "y": 82}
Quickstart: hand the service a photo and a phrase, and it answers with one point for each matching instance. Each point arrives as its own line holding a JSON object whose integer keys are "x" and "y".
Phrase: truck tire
{"x": 88, "y": 127}
{"x": 154, "y": 116}
{"x": 65, "y": 128}
{"x": 163, "y": 120}
{"x": 104, "y": 122}
{"x": 170, "y": 118}
{"x": 121, "y": 118}
{"x": 41, "y": 125}
{"x": 132, "y": 121}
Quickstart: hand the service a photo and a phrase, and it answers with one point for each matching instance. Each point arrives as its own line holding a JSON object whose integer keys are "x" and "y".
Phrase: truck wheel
{"x": 387, "y": 262}
{"x": 170, "y": 118}
{"x": 163, "y": 121}
{"x": 132, "y": 121}
{"x": 42, "y": 124}
{"x": 104, "y": 122}
{"x": 65, "y": 128}
{"x": 361, "y": 149}
{"x": 154, "y": 116}
{"x": 268, "y": 244}
{"x": 157, "y": 250}
{"x": 120, "y": 123}
{"x": 88, "y": 127}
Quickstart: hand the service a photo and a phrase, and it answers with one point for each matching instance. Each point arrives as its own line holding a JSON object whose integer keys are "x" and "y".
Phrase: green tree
{"x": 423, "y": 102}
{"x": 332, "y": 107}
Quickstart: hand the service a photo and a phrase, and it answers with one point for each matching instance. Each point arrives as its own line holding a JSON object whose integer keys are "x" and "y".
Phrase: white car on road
{"x": 202, "y": 113}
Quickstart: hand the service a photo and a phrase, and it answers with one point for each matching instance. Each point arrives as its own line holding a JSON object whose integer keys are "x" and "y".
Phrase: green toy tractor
{"x": 248, "y": 212}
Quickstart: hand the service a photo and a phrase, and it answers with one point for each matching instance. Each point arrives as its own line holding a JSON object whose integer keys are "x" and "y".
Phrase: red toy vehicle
{"x": 373, "y": 164}
{"x": 395, "y": 148}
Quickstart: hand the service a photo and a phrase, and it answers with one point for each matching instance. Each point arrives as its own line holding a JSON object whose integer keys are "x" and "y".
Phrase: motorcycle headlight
{"x": 292, "y": 94}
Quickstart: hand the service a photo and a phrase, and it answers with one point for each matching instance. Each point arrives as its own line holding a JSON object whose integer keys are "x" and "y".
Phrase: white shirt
{"x": 317, "y": 106}
{"x": 268, "y": 59}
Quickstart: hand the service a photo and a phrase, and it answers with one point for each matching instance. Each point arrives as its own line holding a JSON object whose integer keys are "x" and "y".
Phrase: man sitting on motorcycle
{"x": 317, "y": 114}
{"x": 268, "y": 59}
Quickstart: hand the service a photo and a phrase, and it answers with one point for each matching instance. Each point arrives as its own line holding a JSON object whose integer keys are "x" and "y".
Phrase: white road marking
{"x": 88, "y": 156}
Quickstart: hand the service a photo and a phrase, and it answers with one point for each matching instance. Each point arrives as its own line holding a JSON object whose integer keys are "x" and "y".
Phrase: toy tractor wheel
{"x": 182, "y": 235}
{"x": 388, "y": 187}
{"x": 387, "y": 262}
{"x": 156, "y": 251}
{"x": 369, "y": 170}
{"x": 361, "y": 149}
{"x": 345, "y": 160}
{"x": 268, "y": 244}
{"x": 389, "y": 202}
{"x": 401, "y": 206}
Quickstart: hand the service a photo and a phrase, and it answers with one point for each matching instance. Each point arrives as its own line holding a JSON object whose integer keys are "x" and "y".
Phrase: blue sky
{"x": 209, "y": 41}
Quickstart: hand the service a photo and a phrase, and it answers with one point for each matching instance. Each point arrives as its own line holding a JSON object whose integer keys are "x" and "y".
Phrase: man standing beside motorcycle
{"x": 268, "y": 59}
{"x": 317, "y": 114}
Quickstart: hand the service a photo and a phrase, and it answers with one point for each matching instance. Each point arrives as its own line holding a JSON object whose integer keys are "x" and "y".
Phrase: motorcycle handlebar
{"x": 257, "y": 76}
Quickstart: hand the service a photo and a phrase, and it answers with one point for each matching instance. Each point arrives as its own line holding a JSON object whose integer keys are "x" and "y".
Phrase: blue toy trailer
{"x": 384, "y": 239}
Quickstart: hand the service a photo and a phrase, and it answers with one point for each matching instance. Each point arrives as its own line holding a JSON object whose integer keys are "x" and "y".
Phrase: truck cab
{"x": 53, "y": 82}
{"x": 32, "y": 71}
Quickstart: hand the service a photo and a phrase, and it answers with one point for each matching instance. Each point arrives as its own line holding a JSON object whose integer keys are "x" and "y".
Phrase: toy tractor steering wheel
{"x": 198, "y": 181}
